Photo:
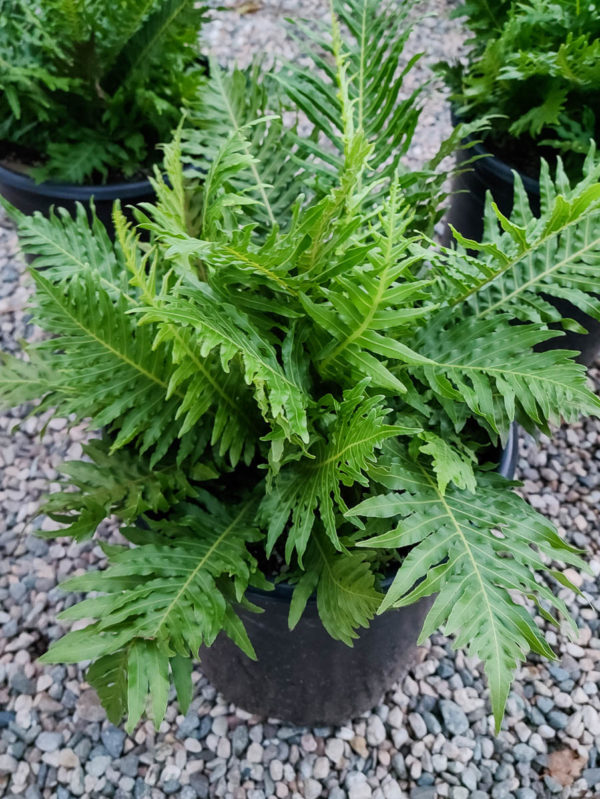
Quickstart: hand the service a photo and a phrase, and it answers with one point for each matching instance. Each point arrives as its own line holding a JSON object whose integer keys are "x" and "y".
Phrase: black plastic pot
{"x": 306, "y": 677}
{"x": 490, "y": 173}
{"x": 29, "y": 196}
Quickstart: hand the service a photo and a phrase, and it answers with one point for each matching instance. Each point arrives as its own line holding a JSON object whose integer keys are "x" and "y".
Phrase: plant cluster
{"x": 88, "y": 88}
{"x": 536, "y": 65}
{"x": 295, "y": 383}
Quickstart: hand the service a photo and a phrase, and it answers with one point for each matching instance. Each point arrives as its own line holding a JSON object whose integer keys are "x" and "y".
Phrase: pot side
{"x": 28, "y": 196}
{"x": 306, "y": 677}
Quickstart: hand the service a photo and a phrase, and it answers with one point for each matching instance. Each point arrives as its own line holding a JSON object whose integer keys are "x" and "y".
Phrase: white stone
{"x": 376, "y": 733}
{"x": 591, "y": 720}
{"x": 254, "y": 753}
{"x": 334, "y": 749}
{"x": 321, "y": 768}
{"x": 312, "y": 788}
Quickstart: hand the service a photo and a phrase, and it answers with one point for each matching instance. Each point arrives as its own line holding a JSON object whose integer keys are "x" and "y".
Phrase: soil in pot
{"x": 305, "y": 676}
{"x": 491, "y": 173}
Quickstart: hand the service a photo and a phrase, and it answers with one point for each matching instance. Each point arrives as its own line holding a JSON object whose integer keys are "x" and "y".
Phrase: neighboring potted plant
{"x": 532, "y": 68}
{"x": 304, "y": 403}
{"x": 87, "y": 92}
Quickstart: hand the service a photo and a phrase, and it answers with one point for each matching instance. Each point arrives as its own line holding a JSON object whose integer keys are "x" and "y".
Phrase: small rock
{"x": 591, "y": 776}
{"x": 321, "y": 768}
{"x": 239, "y": 740}
{"x": 8, "y": 764}
{"x": 6, "y": 716}
{"x": 113, "y": 739}
{"x": 98, "y": 765}
{"x": 558, "y": 719}
{"x": 359, "y": 745}
{"x": 220, "y": 726}
{"x": 524, "y": 753}
{"x": 358, "y": 787}
{"x": 254, "y": 753}
{"x": 334, "y": 749}
{"x": 418, "y": 725}
{"x": 67, "y": 758}
{"x": 399, "y": 766}
{"x": 455, "y": 719}
{"x": 49, "y": 741}
{"x": 424, "y": 792}
{"x": 312, "y": 789}
{"x": 89, "y": 707}
{"x": 591, "y": 720}
{"x": 376, "y": 734}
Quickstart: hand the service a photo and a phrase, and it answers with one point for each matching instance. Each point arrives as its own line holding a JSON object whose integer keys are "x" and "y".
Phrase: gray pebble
{"x": 455, "y": 720}
{"x": 524, "y": 753}
{"x": 425, "y": 792}
{"x": 199, "y": 783}
{"x": 591, "y": 776}
{"x": 239, "y": 739}
{"x": 113, "y": 739}
{"x": 502, "y": 790}
{"x": 558, "y": 720}
{"x": 418, "y": 725}
{"x": 49, "y": 741}
{"x": 20, "y": 684}
{"x": 98, "y": 765}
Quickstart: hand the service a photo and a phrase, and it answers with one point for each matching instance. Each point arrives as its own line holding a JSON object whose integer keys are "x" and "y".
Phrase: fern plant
{"x": 534, "y": 65}
{"x": 305, "y": 400}
{"x": 88, "y": 88}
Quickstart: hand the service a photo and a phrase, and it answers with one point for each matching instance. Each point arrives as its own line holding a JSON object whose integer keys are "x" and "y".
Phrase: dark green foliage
{"x": 536, "y": 63}
{"x": 264, "y": 386}
{"x": 88, "y": 88}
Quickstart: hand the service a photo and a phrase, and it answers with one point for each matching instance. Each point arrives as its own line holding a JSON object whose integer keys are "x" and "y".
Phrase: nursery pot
{"x": 306, "y": 677}
{"x": 491, "y": 173}
{"x": 28, "y": 196}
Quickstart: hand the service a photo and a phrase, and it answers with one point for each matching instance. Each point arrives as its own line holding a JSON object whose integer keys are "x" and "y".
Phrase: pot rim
{"x": 73, "y": 191}
{"x": 282, "y": 592}
{"x": 494, "y": 164}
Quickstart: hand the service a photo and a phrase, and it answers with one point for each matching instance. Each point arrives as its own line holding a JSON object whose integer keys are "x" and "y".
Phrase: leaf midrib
{"x": 201, "y": 564}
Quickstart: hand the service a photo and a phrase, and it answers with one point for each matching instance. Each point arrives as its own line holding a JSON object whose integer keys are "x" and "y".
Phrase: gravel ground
{"x": 432, "y": 736}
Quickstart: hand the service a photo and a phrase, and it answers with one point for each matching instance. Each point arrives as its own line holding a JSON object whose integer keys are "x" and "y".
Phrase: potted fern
{"x": 301, "y": 398}
{"x": 532, "y": 68}
{"x": 87, "y": 91}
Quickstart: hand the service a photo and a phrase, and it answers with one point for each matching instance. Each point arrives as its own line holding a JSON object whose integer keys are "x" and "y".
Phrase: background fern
{"x": 534, "y": 64}
{"x": 88, "y": 89}
{"x": 270, "y": 385}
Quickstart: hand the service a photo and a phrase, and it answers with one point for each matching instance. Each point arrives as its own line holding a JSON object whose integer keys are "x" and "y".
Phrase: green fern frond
{"x": 371, "y": 54}
{"x": 489, "y": 365}
{"x": 340, "y": 456}
{"x": 119, "y": 484}
{"x": 366, "y": 307}
{"x": 344, "y": 584}
{"x": 222, "y": 329}
{"x": 138, "y": 49}
{"x": 527, "y": 259}
{"x": 229, "y": 107}
{"x": 167, "y": 595}
{"x": 472, "y": 550}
